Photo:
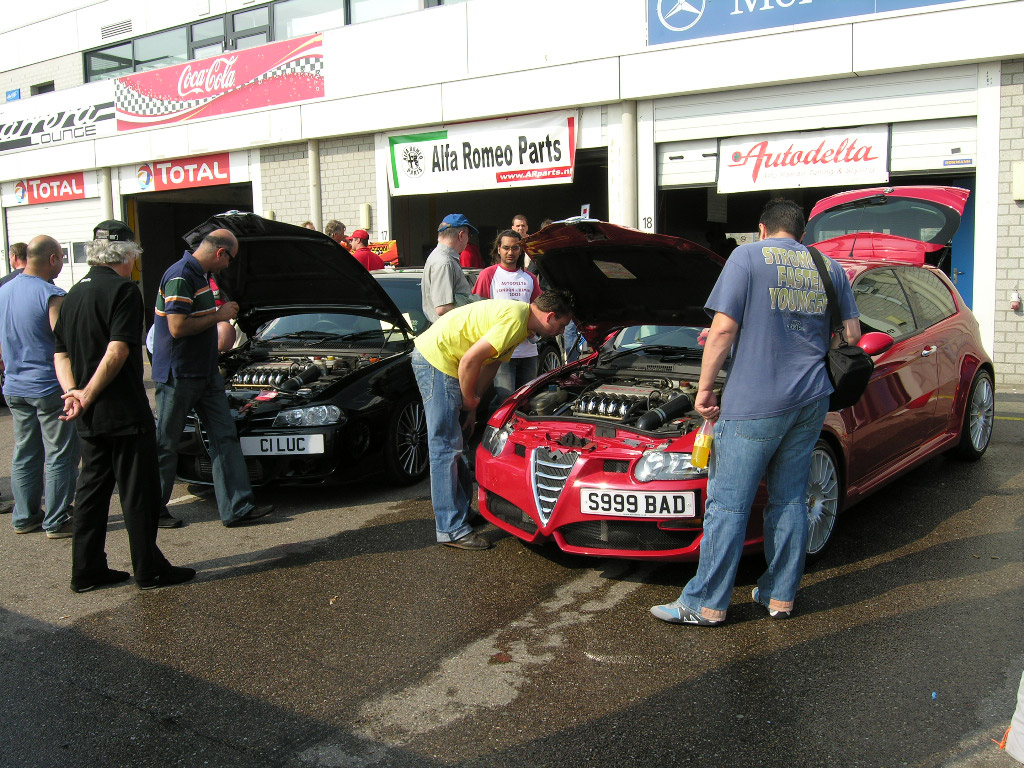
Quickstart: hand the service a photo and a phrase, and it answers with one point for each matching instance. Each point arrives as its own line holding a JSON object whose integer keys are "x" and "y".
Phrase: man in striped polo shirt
{"x": 187, "y": 377}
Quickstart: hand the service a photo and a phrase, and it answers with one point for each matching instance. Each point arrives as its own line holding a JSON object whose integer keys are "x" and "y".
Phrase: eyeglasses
{"x": 509, "y": 248}
{"x": 231, "y": 256}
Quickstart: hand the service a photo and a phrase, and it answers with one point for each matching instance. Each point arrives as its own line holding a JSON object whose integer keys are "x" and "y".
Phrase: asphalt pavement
{"x": 339, "y": 634}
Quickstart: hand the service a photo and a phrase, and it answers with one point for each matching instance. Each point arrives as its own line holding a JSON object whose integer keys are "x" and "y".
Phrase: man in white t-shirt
{"x": 507, "y": 278}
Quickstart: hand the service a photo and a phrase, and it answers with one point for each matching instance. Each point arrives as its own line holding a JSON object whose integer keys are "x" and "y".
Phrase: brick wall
{"x": 347, "y": 179}
{"x": 65, "y": 72}
{"x": 1008, "y": 342}
{"x": 285, "y": 173}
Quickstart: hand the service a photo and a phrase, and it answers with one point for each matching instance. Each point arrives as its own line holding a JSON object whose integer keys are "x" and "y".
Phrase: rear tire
{"x": 979, "y": 417}
{"x": 823, "y": 494}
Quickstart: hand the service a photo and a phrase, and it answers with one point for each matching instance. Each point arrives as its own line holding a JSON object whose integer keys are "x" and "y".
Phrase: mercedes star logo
{"x": 681, "y": 15}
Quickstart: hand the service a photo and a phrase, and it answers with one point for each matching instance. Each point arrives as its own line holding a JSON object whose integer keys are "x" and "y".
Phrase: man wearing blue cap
{"x": 444, "y": 284}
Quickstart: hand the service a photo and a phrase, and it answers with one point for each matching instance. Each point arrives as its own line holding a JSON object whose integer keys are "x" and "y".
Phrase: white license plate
{"x": 595, "y": 500}
{"x": 282, "y": 445}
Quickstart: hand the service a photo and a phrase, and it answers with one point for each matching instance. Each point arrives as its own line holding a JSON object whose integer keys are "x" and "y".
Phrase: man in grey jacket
{"x": 444, "y": 284}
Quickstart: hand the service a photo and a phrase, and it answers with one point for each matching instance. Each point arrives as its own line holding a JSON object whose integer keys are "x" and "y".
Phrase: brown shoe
{"x": 471, "y": 540}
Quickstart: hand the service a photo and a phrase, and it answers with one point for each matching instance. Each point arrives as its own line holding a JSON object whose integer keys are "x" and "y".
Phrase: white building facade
{"x": 667, "y": 116}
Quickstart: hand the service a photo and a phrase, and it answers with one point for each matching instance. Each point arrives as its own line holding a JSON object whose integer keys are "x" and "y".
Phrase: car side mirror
{"x": 875, "y": 343}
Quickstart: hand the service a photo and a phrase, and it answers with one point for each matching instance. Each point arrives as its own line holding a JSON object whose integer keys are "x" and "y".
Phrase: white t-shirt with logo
{"x": 496, "y": 282}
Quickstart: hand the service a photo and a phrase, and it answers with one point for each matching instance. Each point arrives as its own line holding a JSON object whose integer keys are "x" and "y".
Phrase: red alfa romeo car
{"x": 595, "y": 456}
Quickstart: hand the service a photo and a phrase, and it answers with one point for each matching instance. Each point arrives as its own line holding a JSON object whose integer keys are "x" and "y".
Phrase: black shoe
{"x": 202, "y": 491}
{"x": 471, "y": 540}
{"x": 251, "y": 516}
{"x": 170, "y": 577}
{"x": 169, "y": 521}
{"x": 105, "y": 579}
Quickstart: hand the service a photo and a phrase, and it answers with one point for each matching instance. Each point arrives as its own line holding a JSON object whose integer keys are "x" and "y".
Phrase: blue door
{"x": 961, "y": 269}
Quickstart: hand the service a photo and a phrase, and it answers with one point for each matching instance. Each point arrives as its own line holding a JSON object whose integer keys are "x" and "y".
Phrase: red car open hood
{"x": 620, "y": 276}
{"x": 905, "y": 224}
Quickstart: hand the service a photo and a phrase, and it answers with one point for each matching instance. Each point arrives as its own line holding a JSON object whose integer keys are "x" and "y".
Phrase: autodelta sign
{"x": 493, "y": 154}
{"x": 811, "y": 159}
{"x": 670, "y": 21}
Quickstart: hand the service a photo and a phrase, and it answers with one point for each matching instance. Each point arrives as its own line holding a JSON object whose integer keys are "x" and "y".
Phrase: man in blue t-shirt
{"x": 770, "y": 309}
{"x": 29, "y": 306}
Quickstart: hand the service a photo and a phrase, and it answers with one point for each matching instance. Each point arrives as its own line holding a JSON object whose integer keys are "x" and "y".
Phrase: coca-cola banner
{"x": 50, "y": 189}
{"x": 238, "y": 81}
{"x": 812, "y": 159}
{"x": 184, "y": 173}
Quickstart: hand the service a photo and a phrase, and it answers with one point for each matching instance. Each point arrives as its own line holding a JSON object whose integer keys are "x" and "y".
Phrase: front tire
{"x": 550, "y": 358}
{"x": 823, "y": 494}
{"x": 406, "y": 459}
{"x": 979, "y": 417}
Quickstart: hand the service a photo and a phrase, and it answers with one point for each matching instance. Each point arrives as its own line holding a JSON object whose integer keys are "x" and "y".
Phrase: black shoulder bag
{"x": 849, "y": 367}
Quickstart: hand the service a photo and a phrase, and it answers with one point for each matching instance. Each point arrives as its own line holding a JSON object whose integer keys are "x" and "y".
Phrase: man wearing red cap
{"x": 360, "y": 242}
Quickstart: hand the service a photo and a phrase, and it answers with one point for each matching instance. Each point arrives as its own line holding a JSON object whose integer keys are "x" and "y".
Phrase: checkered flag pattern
{"x": 132, "y": 102}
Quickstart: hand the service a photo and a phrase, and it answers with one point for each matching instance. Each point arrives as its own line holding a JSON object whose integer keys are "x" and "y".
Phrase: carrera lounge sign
{"x": 493, "y": 154}
{"x": 270, "y": 75}
{"x": 58, "y": 127}
{"x": 792, "y": 160}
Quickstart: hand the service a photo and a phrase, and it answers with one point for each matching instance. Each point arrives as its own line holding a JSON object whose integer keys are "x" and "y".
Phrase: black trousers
{"x": 130, "y": 461}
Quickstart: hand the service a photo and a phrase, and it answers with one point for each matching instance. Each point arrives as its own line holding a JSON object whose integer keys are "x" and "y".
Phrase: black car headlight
{"x": 663, "y": 465}
{"x": 494, "y": 439}
{"x": 313, "y": 416}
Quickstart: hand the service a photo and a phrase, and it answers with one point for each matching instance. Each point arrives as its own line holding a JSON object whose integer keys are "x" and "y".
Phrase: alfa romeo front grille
{"x": 550, "y": 470}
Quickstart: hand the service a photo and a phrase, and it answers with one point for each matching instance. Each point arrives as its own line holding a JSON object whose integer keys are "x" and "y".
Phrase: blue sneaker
{"x": 677, "y": 613}
{"x": 774, "y": 614}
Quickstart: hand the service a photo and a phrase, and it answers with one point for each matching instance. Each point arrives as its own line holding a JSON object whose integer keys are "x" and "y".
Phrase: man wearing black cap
{"x": 99, "y": 364}
{"x": 444, "y": 284}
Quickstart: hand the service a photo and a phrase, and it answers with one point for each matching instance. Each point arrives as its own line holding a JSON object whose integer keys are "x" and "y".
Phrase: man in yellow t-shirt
{"x": 455, "y": 361}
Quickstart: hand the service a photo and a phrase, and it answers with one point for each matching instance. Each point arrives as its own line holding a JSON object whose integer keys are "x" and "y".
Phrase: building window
{"x": 294, "y": 18}
{"x": 239, "y": 30}
{"x": 35, "y": 90}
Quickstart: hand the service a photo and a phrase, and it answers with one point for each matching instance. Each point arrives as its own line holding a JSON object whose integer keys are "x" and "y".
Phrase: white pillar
{"x": 315, "y": 198}
{"x": 106, "y": 195}
{"x": 627, "y": 164}
{"x": 986, "y": 202}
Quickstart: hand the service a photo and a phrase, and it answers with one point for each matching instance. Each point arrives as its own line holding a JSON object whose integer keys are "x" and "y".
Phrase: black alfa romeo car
{"x": 322, "y": 390}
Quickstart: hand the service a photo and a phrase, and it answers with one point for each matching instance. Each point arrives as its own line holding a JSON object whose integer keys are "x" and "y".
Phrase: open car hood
{"x": 282, "y": 269}
{"x": 905, "y": 224}
{"x": 620, "y": 276}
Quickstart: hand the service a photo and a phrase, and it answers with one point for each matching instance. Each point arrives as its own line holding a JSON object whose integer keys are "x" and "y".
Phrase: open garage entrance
{"x": 159, "y": 220}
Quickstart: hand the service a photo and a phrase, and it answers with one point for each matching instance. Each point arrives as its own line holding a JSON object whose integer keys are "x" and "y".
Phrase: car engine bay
{"x": 630, "y": 398}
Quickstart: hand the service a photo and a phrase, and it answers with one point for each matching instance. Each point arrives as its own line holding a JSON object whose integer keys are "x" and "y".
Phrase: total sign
{"x": 50, "y": 189}
{"x": 185, "y": 173}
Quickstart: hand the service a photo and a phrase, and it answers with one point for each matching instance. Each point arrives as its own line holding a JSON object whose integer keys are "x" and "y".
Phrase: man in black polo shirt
{"x": 99, "y": 365}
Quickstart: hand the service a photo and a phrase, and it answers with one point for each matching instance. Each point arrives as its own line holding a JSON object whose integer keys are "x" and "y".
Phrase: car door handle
{"x": 928, "y": 350}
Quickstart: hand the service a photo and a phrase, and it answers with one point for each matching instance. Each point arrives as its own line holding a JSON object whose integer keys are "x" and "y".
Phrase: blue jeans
{"x": 571, "y": 338}
{"x": 513, "y": 374}
{"x": 451, "y": 484}
{"x": 207, "y": 398}
{"x": 744, "y": 451}
{"x": 38, "y": 432}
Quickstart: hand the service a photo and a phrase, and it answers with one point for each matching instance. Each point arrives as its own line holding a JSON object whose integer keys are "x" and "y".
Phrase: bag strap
{"x": 830, "y": 290}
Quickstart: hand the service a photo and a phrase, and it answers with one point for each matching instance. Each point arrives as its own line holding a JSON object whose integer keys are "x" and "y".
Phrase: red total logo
{"x": 55, "y": 189}
{"x": 183, "y": 173}
{"x": 218, "y": 77}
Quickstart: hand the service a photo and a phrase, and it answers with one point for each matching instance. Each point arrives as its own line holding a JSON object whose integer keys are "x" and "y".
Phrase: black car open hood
{"x": 620, "y": 276}
{"x": 282, "y": 268}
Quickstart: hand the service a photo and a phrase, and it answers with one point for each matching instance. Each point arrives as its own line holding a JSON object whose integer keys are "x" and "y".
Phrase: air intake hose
{"x": 655, "y": 417}
{"x": 307, "y": 375}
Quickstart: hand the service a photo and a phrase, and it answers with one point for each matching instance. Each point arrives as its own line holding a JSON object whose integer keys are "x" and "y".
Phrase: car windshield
{"x": 325, "y": 325}
{"x": 666, "y": 341}
{"x": 920, "y": 220}
{"x": 407, "y": 294}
